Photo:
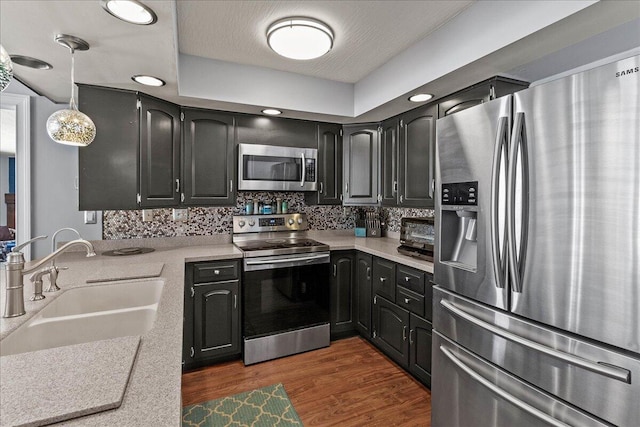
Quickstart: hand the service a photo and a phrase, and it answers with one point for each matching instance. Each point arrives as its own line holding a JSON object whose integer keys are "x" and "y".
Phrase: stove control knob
{"x": 299, "y": 220}
{"x": 252, "y": 222}
{"x": 291, "y": 221}
{"x": 241, "y": 223}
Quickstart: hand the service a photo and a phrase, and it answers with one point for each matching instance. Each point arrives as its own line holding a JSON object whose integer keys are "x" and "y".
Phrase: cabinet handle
{"x": 404, "y": 333}
{"x": 382, "y": 279}
{"x": 321, "y": 188}
{"x": 433, "y": 187}
{"x": 177, "y": 185}
{"x": 192, "y": 292}
{"x": 216, "y": 272}
{"x": 395, "y": 186}
{"x": 346, "y": 188}
{"x": 368, "y": 273}
{"x": 407, "y": 300}
{"x": 410, "y": 336}
{"x": 406, "y": 278}
{"x": 235, "y": 301}
{"x": 401, "y": 199}
{"x": 230, "y": 186}
{"x": 192, "y": 352}
{"x": 335, "y": 270}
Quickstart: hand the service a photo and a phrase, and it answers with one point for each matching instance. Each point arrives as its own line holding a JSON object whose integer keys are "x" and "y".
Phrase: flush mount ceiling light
{"x": 6, "y": 69}
{"x": 420, "y": 97}
{"x": 70, "y": 126}
{"x": 148, "y": 80}
{"x": 131, "y": 11}
{"x": 300, "y": 38}
{"x": 271, "y": 112}
{"x": 27, "y": 61}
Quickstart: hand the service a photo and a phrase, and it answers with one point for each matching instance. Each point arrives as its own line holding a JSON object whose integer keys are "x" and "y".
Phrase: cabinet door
{"x": 342, "y": 304}
{"x": 276, "y": 131}
{"x": 208, "y": 162}
{"x": 217, "y": 319}
{"x": 389, "y": 162}
{"x": 360, "y": 147}
{"x": 108, "y": 168}
{"x": 159, "y": 153}
{"x": 391, "y": 330}
{"x": 420, "y": 349}
{"x": 363, "y": 294}
{"x": 417, "y": 157}
{"x": 384, "y": 278}
{"x": 329, "y": 164}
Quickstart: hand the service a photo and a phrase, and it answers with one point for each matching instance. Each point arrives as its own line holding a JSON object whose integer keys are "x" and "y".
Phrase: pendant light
{"x": 6, "y": 69}
{"x": 70, "y": 126}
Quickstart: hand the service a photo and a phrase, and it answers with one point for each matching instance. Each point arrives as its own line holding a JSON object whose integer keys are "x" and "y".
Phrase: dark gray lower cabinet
{"x": 384, "y": 278}
{"x": 391, "y": 330}
{"x": 342, "y": 293}
{"x": 211, "y": 313}
{"x": 420, "y": 348}
{"x": 363, "y": 295}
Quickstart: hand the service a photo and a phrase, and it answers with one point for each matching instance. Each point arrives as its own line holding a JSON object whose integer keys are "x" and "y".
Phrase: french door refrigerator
{"x": 537, "y": 266}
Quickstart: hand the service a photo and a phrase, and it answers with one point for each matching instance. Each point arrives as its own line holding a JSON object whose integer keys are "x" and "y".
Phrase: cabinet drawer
{"x": 215, "y": 271}
{"x": 410, "y": 300}
{"x": 411, "y": 279}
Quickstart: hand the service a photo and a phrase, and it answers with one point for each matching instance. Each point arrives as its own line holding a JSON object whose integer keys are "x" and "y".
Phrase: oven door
{"x": 285, "y": 305}
{"x": 267, "y": 167}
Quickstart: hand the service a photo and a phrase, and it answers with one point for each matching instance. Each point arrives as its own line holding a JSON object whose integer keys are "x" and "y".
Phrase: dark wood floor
{"x": 347, "y": 384}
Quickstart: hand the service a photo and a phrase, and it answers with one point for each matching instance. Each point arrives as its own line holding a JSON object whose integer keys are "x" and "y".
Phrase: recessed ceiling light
{"x": 148, "y": 80}
{"x": 131, "y": 11}
{"x": 300, "y": 38}
{"x": 27, "y": 61}
{"x": 271, "y": 112}
{"x": 420, "y": 97}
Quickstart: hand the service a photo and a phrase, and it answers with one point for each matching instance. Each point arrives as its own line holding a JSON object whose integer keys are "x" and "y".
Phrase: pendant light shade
{"x": 6, "y": 69}
{"x": 70, "y": 126}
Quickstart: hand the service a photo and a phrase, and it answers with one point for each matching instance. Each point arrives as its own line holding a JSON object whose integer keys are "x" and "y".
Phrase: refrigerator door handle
{"x": 502, "y": 136}
{"x": 607, "y": 370}
{"x": 516, "y": 260}
{"x": 500, "y": 392}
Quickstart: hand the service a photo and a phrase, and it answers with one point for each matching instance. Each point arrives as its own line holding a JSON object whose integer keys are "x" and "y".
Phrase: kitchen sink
{"x": 89, "y": 313}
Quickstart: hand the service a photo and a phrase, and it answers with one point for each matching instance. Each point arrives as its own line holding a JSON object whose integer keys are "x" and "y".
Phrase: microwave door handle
{"x": 303, "y": 170}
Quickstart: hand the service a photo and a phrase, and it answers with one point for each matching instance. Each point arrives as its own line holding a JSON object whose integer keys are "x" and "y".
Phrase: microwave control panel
{"x": 310, "y": 170}
{"x": 460, "y": 193}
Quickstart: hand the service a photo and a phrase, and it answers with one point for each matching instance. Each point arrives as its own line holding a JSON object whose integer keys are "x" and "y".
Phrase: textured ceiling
{"x": 367, "y": 34}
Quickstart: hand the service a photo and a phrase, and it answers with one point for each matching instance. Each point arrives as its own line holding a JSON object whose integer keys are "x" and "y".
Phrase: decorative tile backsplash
{"x": 207, "y": 221}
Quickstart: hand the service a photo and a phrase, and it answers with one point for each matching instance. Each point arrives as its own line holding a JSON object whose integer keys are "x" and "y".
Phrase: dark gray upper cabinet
{"x": 416, "y": 165}
{"x": 159, "y": 153}
{"x": 208, "y": 166}
{"x": 389, "y": 162}
{"x": 329, "y": 166}
{"x": 275, "y": 131}
{"x": 479, "y": 93}
{"x": 342, "y": 293}
{"x": 108, "y": 168}
{"x": 360, "y": 148}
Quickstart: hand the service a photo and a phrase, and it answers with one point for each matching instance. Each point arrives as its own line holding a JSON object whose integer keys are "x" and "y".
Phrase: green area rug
{"x": 265, "y": 407}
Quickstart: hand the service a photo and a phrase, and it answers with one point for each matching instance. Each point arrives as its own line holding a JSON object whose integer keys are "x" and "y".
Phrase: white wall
{"x": 54, "y": 168}
{"x": 7, "y": 149}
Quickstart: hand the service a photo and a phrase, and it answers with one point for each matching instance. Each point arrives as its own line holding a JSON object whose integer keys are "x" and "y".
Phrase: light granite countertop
{"x": 153, "y": 394}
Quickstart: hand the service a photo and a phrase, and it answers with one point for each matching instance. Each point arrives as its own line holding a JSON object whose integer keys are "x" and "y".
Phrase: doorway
{"x": 17, "y": 110}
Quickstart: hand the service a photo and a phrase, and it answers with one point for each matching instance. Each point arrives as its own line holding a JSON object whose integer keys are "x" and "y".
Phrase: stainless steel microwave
{"x": 275, "y": 168}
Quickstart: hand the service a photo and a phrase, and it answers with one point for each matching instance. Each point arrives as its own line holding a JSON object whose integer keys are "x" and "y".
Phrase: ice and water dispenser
{"x": 459, "y": 217}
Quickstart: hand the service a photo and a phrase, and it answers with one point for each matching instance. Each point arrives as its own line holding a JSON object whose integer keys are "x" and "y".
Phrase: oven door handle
{"x": 285, "y": 260}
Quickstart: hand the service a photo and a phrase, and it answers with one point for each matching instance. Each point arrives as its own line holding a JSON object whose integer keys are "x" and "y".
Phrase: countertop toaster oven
{"x": 417, "y": 237}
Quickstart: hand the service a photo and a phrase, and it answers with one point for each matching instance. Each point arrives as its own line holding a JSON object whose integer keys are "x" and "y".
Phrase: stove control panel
{"x": 262, "y": 223}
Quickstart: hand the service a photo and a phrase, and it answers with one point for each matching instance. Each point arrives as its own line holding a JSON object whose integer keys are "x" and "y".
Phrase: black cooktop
{"x": 278, "y": 246}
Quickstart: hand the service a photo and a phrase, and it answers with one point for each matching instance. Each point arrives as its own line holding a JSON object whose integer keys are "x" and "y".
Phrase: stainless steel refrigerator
{"x": 537, "y": 266}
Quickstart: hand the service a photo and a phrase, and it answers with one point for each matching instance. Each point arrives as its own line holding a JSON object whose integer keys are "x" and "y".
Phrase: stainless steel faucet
{"x": 54, "y": 270}
{"x": 14, "y": 305}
